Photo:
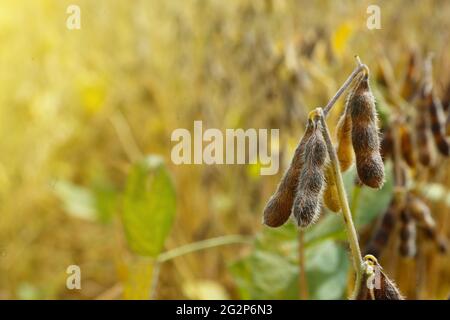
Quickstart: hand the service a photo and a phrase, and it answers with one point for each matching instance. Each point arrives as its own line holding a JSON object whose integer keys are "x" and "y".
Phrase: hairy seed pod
{"x": 387, "y": 143}
{"x": 279, "y": 206}
{"x": 375, "y": 284}
{"x": 330, "y": 195}
{"x": 408, "y": 236}
{"x": 410, "y": 83}
{"x": 446, "y": 106}
{"x": 344, "y": 148}
{"x": 383, "y": 230}
{"x": 403, "y": 176}
{"x": 446, "y": 99}
{"x": 423, "y": 132}
{"x": 406, "y": 145}
{"x": 447, "y": 124}
{"x": 306, "y": 207}
{"x": 424, "y": 220}
{"x": 365, "y": 140}
{"x": 437, "y": 126}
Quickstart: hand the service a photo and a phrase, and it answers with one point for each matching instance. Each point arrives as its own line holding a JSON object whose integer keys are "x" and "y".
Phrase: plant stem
{"x": 302, "y": 281}
{"x": 125, "y": 136}
{"x": 397, "y": 154}
{"x": 155, "y": 278}
{"x": 351, "y": 231}
{"x": 399, "y": 184}
{"x": 189, "y": 248}
{"x": 355, "y": 200}
{"x": 201, "y": 245}
{"x": 346, "y": 84}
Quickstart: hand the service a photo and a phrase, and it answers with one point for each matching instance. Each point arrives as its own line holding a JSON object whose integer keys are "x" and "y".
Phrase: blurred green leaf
{"x": 148, "y": 206}
{"x": 106, "y": 198}
{"x": 78, "y": 201}
{"x": 27, "y": 291}
{"x": 265, "y": 275}
{"x": 328, "y": 227}
{"x": 326, "y": 270}
{"x": 268, "y": 275}
{"x": 96, "y": 203}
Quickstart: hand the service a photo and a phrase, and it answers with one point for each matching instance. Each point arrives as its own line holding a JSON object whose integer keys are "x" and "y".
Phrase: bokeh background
{"x": 85, "y": 123}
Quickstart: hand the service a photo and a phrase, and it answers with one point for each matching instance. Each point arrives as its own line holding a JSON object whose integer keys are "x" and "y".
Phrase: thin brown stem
{"x": 399, "y": 183}
{"x": 346, "y": 84}
{"x": 346, "y": 213}
{"x": 302, "y": 281}
{"x": 397, "y": 155}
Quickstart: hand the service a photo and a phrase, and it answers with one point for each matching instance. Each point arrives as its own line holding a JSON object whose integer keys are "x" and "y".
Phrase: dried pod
{"x": 365, "y": 140}
{"x": 411, "y": 82}
{"x": 344, "y": 148}
{"x": 406, "y": 144}
{"x": 446, "y": 106}
{"x": 424, "y": 220}
{"x": 446, "y": 99}
{"x": 375, "y": 284}
{"x": 279, "y": 206}
{"x": 447, "y": 124}
{"x": 423, "y": 134}
{"x": 437, "y": 126}
{"x": 383, "y": 230}
{"x": 408, "y": 235}
{"x": 403, "y": 176}
{"x": 380, "y": 76}
{"x": 306, "y": 207}
{"x": 330, "y": 195}
{"x": 387, "y": 143}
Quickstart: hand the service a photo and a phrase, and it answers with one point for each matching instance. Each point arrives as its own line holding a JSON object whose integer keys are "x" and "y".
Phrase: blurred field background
{"x": 80, "y": 109}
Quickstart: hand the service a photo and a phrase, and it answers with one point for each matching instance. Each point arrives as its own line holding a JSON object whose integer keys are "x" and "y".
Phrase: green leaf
{"x": 265, "y": 275}
{"x": 326, "y": 270}
{"x": 149, "y": 206}
{"x": 270, "y": 275}
{"x": 78, "y": 201}
{"x": 328, "y": 227}
{"x": 106, "y": 199}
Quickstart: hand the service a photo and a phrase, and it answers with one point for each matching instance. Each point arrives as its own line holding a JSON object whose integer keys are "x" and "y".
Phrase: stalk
{"x": 347, "y": 215}
{"x": 346, "y": 84}
{"x": 302, "y": 281}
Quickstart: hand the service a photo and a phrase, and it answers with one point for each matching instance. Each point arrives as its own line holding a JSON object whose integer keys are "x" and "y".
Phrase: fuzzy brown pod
{"x": 446, "y": 98}
{"x": 447, "y": 124}
{"x": 330, "y": 195}
{"x": 375, "y": 284}
{"x": 407, "y": 146}
{"x": 437, "y": 126}
{"x": 446, "y": 106}
{"x": 408, "y": 235}
{"x": 279, "y": 206}
{"x": 344, "y": 148}
{"x": 411, "y": 78}
{"x": 365, "y": 139}
{"x": 421, "y": 213}
{"x": 423, "y": 131}
{"x": 307, "y": 202}
{"x": 383, "y": 231}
